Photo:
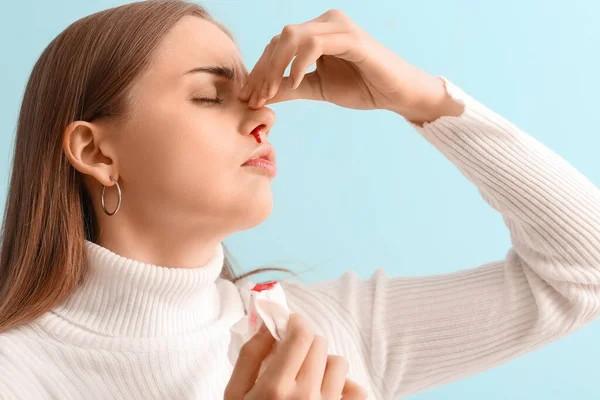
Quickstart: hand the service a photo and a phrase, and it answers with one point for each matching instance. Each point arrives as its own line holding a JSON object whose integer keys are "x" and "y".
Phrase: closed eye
{"x": 204, "y": 100}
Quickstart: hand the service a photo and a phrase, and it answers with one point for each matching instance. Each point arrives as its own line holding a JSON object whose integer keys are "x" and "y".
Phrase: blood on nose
{"x": 256, "y": 132}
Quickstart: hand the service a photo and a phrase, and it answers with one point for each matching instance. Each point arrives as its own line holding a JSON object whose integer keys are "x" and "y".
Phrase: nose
{"x": 263, "y": 118}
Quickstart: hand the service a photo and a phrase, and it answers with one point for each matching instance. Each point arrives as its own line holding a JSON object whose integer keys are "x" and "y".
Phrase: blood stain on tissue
{"x": 259, "y": 287}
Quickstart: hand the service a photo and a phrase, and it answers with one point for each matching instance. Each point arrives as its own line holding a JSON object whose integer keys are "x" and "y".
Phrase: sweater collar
{"x": 121, "y": 297}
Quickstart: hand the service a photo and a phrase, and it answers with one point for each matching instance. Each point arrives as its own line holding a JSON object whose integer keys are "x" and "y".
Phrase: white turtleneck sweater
{"x": 141, "y": 331}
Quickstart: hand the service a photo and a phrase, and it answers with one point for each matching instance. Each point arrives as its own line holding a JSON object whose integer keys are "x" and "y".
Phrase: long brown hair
{"x": 83, "y": 74}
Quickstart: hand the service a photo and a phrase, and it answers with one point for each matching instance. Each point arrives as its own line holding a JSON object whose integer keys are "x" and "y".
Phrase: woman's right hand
{"x": 300, "y": 368}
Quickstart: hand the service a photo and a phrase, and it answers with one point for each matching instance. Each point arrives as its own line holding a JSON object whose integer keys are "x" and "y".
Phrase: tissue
{"x": 265, "y": 302}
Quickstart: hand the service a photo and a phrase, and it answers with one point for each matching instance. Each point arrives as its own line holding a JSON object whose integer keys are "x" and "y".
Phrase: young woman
{"x": 130, "y": 170}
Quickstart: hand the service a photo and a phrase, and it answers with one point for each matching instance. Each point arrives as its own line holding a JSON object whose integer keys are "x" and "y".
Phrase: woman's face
{"x": 179, "y": 160}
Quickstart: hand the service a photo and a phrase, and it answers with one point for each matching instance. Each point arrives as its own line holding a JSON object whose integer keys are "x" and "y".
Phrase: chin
{"x": 257, "y": 212}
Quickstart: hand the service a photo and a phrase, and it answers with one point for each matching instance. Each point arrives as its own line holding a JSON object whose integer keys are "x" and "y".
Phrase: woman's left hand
{"x": 353, "y": 71}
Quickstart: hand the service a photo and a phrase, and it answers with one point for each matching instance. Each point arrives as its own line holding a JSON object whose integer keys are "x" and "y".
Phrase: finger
{"x": 310, "y": 52}
{"x": 332, "y": 14}
{"x": 258, "y": 82}
{"x": 296, "y": 38}
{"x": 290, "y": 353}
{"x": 253, "y": 100}
{"x": 311, "y": 373}
{"x": 334, "y": 378}
{"x": 247, "y": 366}
{"x": 353, "y": 391}
{"x": 250, "y": 87}
{"x": 334, "y": 45}
{"x": 329, "y": 22}
{"x": 309, "y": 89}
{"x": 257, "y": 72}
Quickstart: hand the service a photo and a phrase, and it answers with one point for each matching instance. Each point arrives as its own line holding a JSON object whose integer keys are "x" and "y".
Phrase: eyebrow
{"x": 225, "y": 72}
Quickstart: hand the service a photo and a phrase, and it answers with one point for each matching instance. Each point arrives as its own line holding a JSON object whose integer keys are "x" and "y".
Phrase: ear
{"x": 89, "y": 151}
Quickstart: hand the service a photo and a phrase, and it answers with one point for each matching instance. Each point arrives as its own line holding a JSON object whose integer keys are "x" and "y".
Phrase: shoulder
{"x": 20, "y": 350}
{"x": 22, "y": 345}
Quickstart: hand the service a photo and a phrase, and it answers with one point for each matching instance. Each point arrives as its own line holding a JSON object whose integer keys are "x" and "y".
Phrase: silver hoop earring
{"x": 118, "y": 201}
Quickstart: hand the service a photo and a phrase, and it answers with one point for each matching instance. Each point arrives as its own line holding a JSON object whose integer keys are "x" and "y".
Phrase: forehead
{"x": 194, "y": 42}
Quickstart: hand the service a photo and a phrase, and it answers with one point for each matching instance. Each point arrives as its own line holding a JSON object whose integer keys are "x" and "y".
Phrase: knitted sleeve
{"x": 415, "y": 333}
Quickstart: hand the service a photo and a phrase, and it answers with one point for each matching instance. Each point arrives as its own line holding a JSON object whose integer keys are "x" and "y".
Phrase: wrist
{"x": 429, "y": 101}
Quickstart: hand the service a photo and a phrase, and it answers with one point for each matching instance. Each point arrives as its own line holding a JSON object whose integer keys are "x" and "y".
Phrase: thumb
{"x": 246, "y": 369}
{"x": 309, "y": 89}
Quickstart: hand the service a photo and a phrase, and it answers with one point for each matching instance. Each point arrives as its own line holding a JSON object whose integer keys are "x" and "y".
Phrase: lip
{"x": 260, "y": 164}
{"x": 266, "y": 152}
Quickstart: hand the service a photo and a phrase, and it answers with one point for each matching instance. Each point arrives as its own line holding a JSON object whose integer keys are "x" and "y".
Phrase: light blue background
{"x": 362, "y": 190}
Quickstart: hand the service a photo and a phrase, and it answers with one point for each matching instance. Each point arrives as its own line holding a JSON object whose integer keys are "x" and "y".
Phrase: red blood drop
{"x": 256, "y": 133}
{"x": 259, "y": 287}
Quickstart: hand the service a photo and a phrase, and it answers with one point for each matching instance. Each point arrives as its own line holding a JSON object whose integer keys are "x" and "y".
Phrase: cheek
{"x": 182, "y": 159}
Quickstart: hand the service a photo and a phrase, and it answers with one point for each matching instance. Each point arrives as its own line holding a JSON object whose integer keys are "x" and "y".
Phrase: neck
{"x": 170, "y": 251}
